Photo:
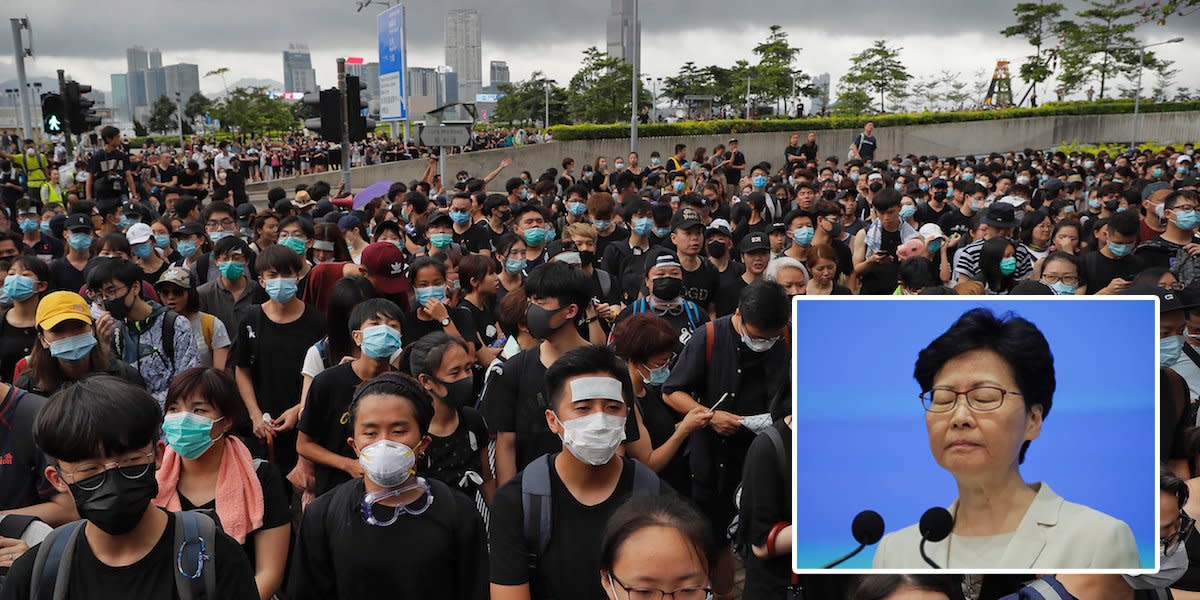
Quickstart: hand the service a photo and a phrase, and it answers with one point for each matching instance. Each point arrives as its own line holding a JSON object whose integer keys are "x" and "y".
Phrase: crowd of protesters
{"x": 564, "y": 386}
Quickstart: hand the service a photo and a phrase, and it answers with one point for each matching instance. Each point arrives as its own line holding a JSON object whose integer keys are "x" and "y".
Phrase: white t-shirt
{"x": 220, "y": 337}
{"x": 313, "y": 364}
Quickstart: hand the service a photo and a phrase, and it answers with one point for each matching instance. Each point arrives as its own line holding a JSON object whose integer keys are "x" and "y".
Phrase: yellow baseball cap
{"x": 62, "y": 306}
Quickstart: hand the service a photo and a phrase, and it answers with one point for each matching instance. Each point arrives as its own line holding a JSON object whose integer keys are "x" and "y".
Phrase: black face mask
{"x": 829, "y": 194}
{"x": 117, "y": 506}
{"x": 835, "y": 230}
{"x": 875, "y": 187}
{"x": 666, "y": 288}
{"x": 717, "y": 248}
{"x": 117, "y": 308}
{"x": 458, "y": 393}
{"x": 538, "y": 321}
{"x": 939, "y": 196}
{"x": 586, "y": 257}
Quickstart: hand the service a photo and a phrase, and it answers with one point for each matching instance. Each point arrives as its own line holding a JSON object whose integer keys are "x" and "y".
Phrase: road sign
{"x": 392, "y": 101}
{"x": 445, "y": 135}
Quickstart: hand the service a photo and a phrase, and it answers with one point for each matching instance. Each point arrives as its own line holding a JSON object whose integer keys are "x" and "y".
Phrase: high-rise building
{"x": 817, "y": 104}
{"x": 155, "y": 58}
{"x": 183, "y": 78}
{"x": 136, "y": 83}
{"x": 464, "y": 53}
{"x": 298, "y": 74}
{"x": 120, "y": 96}
{"x": 623, "y": 32}
{"x": 156, "y": 85}
{"x": 431, "y": 88}
{"x": 370, "y": 76}
{"x": 136, "y": 59}
{"x": 499, "y": 73}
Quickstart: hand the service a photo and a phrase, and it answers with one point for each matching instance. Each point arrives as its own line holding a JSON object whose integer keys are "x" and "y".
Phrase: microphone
{"x": 867, "y": 530}
{"x": 935, "y": 526}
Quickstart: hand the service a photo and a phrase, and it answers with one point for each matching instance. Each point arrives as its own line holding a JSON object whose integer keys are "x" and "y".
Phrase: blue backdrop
{"x": 860, "y": 431}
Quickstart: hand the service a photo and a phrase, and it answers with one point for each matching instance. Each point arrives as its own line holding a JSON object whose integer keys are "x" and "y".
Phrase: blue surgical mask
{"x": 662, "y": 232}
{"x": 658, "y": 376}
{"x": 803, "y": 235}
{"x": 678, "y": 187}
{"x": 80, "y": 241}
{"x": 602, "y": 224}
{"x": 162, "y": 241}
{"x": 126, "y": 222}
{"x": 186, "y": 248}
{"x": 29, "y": 225}
{"x": 1008, "y": 266}
{"x": 282, "y": 289}
{"x": 73, "y": 349}
{"x": 19, "y": 287}
{"x": 924, "y": 187}
{"x": 1120, "y": 250}
{"x": 459, "y": 217}
{"x": 1062, "y": 289}
{"x": 380, "y": 341}
{"x": 45, "y": 226}
{"x": 1181, "y": 170}
{"x": 577, "y": 209}
{"x": 515, "y": 265}
{"x": 535, "y": 236}
{"x": 854, "y": 177}
{"x": 908, "y": 211}
{"x": 424, "y": 294}
{"x": 188, "y": 434}
{"x": 1094, "y": 203}
{"x": 1169, "y": 349}
{"x": 899, "y": 187}
{"x": 142, "y": 250}
{"x": 935, "y": 246}
{"x": 968, "y": 177}
{"x": 643, "y": 226}
{"x": 217, "y": 236}
{"x": 760, "y": 181}
{"x": 1187, "y": 219}
{"x": 1156, "y": 172}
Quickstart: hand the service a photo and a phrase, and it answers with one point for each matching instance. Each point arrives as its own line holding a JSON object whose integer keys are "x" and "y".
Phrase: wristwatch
{"x": 445, "y": 322}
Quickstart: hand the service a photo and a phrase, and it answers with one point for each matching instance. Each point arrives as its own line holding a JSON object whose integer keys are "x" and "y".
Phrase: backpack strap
{"x": 196, "y": 540}
{"x": 639, "y": 306}
{"x": 323, "y": 350}
{"x": 710, "y": 331}
{"x": 52, "y": 566}
{"x": 168, "y": 336}
{"x": 535, "y": 507}
{"x": 208, "y": 324}
{"x": 605, "y": 282}
{"x": 780, "y": 450}
{"x": 693, "y": 313}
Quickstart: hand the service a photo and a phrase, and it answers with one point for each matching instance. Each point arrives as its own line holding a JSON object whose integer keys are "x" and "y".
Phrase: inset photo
{"x": 977, "y": 435}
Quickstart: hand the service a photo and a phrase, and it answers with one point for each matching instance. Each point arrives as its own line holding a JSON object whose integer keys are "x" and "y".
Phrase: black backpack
{"x": 195, "y": 539}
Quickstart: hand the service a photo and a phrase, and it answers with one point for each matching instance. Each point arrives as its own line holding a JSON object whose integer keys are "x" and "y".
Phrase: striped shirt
{"x": 966, "y": 261}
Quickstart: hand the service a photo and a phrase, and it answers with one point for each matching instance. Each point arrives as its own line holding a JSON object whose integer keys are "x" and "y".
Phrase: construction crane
{"x": 999, "y": 92}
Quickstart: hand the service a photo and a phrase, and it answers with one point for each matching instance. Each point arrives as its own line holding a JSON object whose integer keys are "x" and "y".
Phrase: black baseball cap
{"x": 659, "y": 257}
{"x": 686, "y": 218}
{"x": 78, "y": 222}
{"x": 755, "y": 242}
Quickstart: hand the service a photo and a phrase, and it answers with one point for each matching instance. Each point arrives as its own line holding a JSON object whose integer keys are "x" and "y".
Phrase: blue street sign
{"x": 392, "y": 101}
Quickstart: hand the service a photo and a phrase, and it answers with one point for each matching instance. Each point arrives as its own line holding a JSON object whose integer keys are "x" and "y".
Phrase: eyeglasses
{"x": 981, "y": 398}
{"x": 1067, "y": 279}
{"x": 638, "y": 593}
{"x": 1174, "y": 287}
{"x": 1176, "y": 540}
{"x": 221, "y": 223}
{"x": 89, "y": 477}
{"x": 111, "y": 293}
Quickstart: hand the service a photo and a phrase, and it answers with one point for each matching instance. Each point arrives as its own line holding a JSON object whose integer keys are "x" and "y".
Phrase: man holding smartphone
{"x": 875, "y": 260}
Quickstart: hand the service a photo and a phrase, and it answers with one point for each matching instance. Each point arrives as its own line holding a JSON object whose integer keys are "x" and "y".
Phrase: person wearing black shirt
{"x": 163, "y": 175}
{"x": 467, "y": 234}
{"x": 108, "y": 174}
{"x": 729, "y": 271}
{"x": 1181, "y": 218}
{"x": 433, "y": 313}
{"x": 117, "y": 513}
{"x": 664, "y": 285}
{"x": 700, "y": 279}
{"x": 936, "y": 206}
{"x": 864, "y": 143}
{"x": 587, "y": 482}
{"x": 809, "y": 149}
{"x": 623, "y": 260}
{"x": 792, "y": 155}
{"x": 733, "y": 164}
{"x": 24, "y": 488}
{"x": 323, "y": 427}
{"x": 767, "y": 500}
{"x": 350, "y": 538}
{"x": 1113, "y": 266}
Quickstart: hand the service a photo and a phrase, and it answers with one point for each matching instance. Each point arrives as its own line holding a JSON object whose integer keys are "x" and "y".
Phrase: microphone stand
{"x": 847, "y": 557}
{"x": 926, "y": 556}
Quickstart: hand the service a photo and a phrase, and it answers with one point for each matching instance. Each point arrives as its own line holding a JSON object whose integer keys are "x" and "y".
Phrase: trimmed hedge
{"x": 565, "y": 133}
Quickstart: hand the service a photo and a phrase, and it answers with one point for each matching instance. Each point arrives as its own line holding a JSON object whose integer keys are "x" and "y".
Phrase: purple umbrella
{"x": 371, "y": 192}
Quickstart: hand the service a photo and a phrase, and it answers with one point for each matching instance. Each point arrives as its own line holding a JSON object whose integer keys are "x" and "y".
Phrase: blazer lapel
{"x": 1030, "y": 538}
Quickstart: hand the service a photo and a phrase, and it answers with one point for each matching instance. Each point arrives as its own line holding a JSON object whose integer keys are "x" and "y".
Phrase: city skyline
{"x": 705, "y": 34}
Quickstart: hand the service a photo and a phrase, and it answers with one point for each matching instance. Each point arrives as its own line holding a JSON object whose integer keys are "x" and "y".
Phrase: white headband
{"x": 591, "y": 388}
{"x": 325, "y": 245}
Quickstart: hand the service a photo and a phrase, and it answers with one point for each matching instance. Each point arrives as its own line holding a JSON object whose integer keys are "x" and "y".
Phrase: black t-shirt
{"x": 625, "y": 263}
{"x": 678, "y": 319}
{"x": 484, "y": 319}
{"x": 1158, "y": 252}
{"x": 766, "y": 500}
{"x": 953, "y": 221}
{"x": 477, "y": 237}
{"x": 700, "y": 286}
{"x": 1098, "y": 270}
{"x": 572, "y": 558}
{"x": 845, "y": 257}
{"x": 809, "y": 151}
{"x": 618, "y": 234}
{"x": 325, "y": 419}
{"x": 441, "y": 553}
{"x": 276, "y": 501}
{"x": 514, "y": 400}
{"x": 276, "y": 355}
{"x": 108, "y": 170}
{"x": 866, "y": 146}
{"x": 164, "y": 175}
{"x": 789, "y": 152}
{"x": 732, "y": 175}
{"x": 22, "y": 473}
{"x": 192, "y": 179}
{"x": 151, "y": 577}
{"x": 413, "y": 328}
{"x": 46, "y": 248}
{"x": 927, "y": 214}
{"x": 15, "y": 343}
{"x": 449, "y": 458}
{"x": 730, "y": 284}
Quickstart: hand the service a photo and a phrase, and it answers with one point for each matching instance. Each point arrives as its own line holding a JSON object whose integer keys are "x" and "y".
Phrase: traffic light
{"x": 356, "y": 109}
{"x": 79, "y": 109}
{"x": 328, "y": 104}
{"x": 53, "y": 114}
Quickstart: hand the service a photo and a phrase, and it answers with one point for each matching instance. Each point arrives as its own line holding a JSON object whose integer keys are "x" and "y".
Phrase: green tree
{"x": 600, "y": 91}
{"x": 162, "y": 115}
{"x": 1164, "y": 80}
{"x": 197, "y": 105}
{"x": 878, "y": 70}
{"x": 952, "y": 90}
{"x": 1041, "y": 24}
{"x": 524, "y": 102}
{"x": 776, "y": 79}
{"x": 851, "y": 100}
{"x": 1159, "y": 11}
{"x": 1101, "y": 46}
{"x": 252, "y": 110}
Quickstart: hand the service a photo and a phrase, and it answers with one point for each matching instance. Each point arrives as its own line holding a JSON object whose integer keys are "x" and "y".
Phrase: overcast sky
{"x": 248, "y": 36}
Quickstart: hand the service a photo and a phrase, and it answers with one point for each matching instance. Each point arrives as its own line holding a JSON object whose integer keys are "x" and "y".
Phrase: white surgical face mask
{"x": 388, "y": 463}
{"x": 594, "y": 438}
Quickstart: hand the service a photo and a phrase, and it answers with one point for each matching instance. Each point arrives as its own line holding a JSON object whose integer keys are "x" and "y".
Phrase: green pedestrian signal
{"x": 53, "y": 124}
{"x": 53, "y": 112}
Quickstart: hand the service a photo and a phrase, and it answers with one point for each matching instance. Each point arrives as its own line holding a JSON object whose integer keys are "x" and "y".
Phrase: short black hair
{"x": 396, "y": 384}
{"x": 642, "y": 511}
{"x": 764, "y": 304}
{"x": 885, "y": 200}
{"x": 880, "y": 586}
{"x": 583, "y": 360}
{"x": 513, "y": 183}
{"x": 217, "y": 207}
{"x": 231, "y": 243}
{"x": 98, "y": 416}
{"x": 372, "y": 308}
{"x": 114, "y": 269}
{"x": 1124, "y": 222}
{"x": 1169, "y": 483}
{"x": 424, "y": 357}
{"x": 1016, "y": 340}
{"x": 417, "y": 200}
{"x": 560, "y": 281}
{"x": 916, "y": 273}
{"x": 423, "y": 262}
{"x": 279, "y": 258}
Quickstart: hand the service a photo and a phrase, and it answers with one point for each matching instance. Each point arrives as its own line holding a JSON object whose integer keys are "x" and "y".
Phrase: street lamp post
{"x": 546, "y": 83}
{"x": 747, "y": 96}
{"x": 636, "y": 50}
{"x": 1137, "y": 97}
{"x": 179, "y": 116}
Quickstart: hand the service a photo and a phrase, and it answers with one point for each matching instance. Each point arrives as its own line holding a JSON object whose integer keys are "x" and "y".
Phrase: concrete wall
{"x": 956, "y": 139}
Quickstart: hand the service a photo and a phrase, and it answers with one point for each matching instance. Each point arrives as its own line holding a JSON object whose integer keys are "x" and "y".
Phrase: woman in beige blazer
{"x": 988, "y": 385}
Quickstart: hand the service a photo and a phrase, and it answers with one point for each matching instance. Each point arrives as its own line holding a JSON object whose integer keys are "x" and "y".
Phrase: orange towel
{"x": 239, "y": 495}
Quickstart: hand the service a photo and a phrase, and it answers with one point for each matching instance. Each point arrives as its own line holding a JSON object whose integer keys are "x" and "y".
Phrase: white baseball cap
{"x": 931, "y": 231}
{"x": 138, "y": 233}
